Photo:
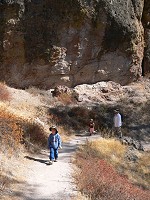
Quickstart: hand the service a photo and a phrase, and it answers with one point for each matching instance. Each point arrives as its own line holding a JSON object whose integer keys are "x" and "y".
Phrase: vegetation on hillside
{"x": 108, "y": 164}
{"x": 21, "y": 132}
{"x": 105, "y": 168}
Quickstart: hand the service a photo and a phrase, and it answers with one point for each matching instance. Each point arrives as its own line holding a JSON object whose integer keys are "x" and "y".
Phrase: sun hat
{"x": 53, "y": 127}
{"x": 116, "y": 110}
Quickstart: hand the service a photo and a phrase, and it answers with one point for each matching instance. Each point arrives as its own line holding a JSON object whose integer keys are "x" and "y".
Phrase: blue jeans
{"x": 53, "y": 153}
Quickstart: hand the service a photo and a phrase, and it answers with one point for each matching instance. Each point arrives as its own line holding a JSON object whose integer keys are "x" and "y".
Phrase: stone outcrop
{"x": 146, "y": 24}
{"x": 46, "y": 43}
{"x": 60, "y": 90}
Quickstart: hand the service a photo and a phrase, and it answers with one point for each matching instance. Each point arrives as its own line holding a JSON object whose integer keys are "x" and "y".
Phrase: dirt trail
{"x": 53, "y": 182}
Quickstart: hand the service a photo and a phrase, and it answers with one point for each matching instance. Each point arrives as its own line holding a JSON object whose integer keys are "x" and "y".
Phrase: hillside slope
{"x": 25, "y": 117}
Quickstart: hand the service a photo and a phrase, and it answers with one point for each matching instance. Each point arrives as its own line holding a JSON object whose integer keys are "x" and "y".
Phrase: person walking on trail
{"x": 91, "y": 126}
{"x": 117, "y": 123}
{"x": 54, "y": 143}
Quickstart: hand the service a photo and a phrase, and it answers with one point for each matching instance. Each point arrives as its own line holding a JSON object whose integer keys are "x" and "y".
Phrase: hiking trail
{"x": 53, "y": 182}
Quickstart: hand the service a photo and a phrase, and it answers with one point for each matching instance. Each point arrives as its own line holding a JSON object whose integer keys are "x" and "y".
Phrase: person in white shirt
{"x": 117, "y": 123}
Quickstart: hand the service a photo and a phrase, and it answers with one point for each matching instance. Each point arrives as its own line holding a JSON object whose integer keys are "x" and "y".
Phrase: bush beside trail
{"x": 17, "y": 135}
{"x": 102, "y": 172}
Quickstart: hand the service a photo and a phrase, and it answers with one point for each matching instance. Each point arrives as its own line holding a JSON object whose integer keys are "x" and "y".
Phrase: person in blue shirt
{"x": 54, "y": 143}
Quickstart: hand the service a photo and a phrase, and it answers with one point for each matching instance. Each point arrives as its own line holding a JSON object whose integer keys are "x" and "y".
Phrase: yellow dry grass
{"x": 10, "y": 148}
{"x": 139, "y": 172}
{"x": 110, "y": 149}
{"x": 115, "y": 153}
{"x": 65, "y": 98}
{"x": 12, "y": 124}
{"x": 144, "y": 163}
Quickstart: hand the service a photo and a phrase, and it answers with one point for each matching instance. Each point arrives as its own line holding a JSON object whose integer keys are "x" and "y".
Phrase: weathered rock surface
{"x": 146, "y": 24}
{"x": 58, "y": 90}
{"x": 46, "y": 42}
{"x": 132, "y": 100}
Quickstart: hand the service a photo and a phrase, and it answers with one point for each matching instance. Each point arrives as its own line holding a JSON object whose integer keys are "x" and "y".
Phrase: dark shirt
{"x": 91, "y": 124}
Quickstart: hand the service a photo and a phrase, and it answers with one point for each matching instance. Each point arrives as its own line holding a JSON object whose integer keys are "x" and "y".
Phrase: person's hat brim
{"x": 53, "y": 127}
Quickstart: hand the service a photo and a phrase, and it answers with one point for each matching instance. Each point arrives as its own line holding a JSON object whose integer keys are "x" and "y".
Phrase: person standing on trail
{"x": 91, "y": 126}
{"x": 117, "y": 123}
{"x": 54, "y": 143}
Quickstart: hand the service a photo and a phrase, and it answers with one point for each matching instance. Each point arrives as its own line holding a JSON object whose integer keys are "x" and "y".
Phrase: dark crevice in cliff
{"x": 2, "y": 23}
{"x": 143, "y": 70}
{"x": 146, "y": 24}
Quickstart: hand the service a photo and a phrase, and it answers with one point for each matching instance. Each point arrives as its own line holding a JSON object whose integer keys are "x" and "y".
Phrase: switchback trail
{"x": 53, "y": 182}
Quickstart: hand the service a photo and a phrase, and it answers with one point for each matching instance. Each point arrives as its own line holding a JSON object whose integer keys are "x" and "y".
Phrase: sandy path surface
{"x": 53, "y": 182}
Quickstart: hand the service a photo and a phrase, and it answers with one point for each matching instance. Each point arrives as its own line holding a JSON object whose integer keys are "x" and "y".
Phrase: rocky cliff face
{"x": 146, "y": 24}
{"x": 47, "y": 42}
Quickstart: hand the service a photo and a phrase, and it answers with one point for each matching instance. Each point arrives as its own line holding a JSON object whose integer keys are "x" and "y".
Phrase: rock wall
{"x": 47, "y": 42}
{"x": 146, "y": 24}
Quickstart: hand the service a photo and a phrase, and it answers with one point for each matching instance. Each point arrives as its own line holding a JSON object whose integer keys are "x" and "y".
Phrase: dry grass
{"x": 99, "y": 159}
{"x": 13, "y": 138}
{"x": 11, "y": 131}
{"x": 4, "y": 93}
{"x": 109, "y": 149}
{"x": 65, "y": 98}
{"x": 45, "y": 96}
{"x": 114, "y": 152}
{"x": 20, "y": 131}
{"x": 34, "y": 90}
{"x": 139, "y": 172}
